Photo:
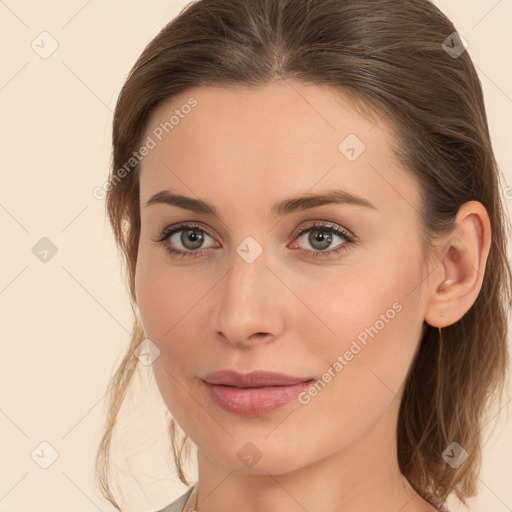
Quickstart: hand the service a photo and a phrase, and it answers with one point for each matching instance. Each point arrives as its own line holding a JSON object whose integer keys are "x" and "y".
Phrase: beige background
{"x": 65, "y": 323}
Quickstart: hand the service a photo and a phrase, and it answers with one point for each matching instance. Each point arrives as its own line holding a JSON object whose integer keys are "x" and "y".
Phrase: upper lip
{"x": 254, "y": 379}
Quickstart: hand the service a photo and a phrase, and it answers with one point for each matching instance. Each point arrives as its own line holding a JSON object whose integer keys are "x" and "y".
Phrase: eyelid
{"x": 172, "y": 228}
{"x": 328, "y": 225}
{"x": 299, "y": 231}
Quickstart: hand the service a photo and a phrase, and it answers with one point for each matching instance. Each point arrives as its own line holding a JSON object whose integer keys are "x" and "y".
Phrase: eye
{"x": 190, "y": 236}
{"x": 321, "y": 237}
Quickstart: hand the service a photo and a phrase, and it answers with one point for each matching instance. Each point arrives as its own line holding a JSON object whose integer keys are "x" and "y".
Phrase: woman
{"x": 308, "y": 204}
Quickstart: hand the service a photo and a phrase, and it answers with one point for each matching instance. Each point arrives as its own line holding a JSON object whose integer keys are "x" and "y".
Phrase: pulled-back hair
{"x": 400, "y": 60}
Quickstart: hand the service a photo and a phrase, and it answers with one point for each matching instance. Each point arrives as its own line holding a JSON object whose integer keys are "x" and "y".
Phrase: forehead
{"x": 263, "y": 142}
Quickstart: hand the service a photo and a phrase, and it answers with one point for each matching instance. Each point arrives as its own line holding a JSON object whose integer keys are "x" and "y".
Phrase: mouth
{"x": 255, "y": 393}
{"x": 253, "y": 379}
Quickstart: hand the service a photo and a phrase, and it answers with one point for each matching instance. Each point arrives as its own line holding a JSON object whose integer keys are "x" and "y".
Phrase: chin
{"x": 255, "y": 455}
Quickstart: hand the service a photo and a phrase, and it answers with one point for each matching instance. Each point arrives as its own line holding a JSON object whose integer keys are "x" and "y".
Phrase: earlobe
{"x": 461, "y": 266}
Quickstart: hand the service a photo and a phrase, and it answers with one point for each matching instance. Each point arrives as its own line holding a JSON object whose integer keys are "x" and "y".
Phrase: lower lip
{"x": 254, "y": 401}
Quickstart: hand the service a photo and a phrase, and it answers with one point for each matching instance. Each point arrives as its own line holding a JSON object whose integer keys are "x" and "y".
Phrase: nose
{"x": 250, "y": 302}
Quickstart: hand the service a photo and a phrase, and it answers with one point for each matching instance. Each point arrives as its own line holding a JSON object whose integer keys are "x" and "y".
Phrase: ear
{"x": 460, "y": 266}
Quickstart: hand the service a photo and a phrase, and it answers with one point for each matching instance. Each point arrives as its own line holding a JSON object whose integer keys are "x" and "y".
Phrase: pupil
{"x": 321, "y": 236}
{"x": 191, "y": 236}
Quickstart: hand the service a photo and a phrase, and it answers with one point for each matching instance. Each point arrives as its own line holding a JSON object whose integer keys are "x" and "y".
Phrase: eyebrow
{"x": 282, "y": 208}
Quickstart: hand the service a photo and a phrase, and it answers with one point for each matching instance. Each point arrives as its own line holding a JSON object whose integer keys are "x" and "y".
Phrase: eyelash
{"x": 331, "y": 228}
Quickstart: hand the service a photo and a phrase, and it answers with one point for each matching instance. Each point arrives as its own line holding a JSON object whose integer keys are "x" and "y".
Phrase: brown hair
{"x": 396, "y": 59}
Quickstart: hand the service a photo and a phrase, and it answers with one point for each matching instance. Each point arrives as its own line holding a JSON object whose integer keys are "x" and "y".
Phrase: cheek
{"x": 165, "y": 296}
{"x": 365, "y": 362}
{"x": 164, "y": 299}
{"x": 377, "y": 299}
{"x": 151, "y": 300}
{"x": 372, "y": 324}
{"x": 168, "y": 300}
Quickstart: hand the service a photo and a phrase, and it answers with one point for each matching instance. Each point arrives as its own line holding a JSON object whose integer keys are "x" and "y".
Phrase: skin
{"x": 243, "y": 150}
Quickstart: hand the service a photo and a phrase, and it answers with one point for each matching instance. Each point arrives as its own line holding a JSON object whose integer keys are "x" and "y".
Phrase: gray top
{"x": 178, "y": 505}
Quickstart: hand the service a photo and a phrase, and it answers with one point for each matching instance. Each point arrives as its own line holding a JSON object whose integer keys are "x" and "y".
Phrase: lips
{"x": 255, "y": 393}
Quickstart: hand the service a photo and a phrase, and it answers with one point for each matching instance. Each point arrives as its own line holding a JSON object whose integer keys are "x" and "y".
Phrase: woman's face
{"x": 247, "y": 291}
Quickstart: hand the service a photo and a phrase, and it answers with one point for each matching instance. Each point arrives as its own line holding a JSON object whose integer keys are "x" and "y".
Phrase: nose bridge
{"x": 249, "y": 299}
